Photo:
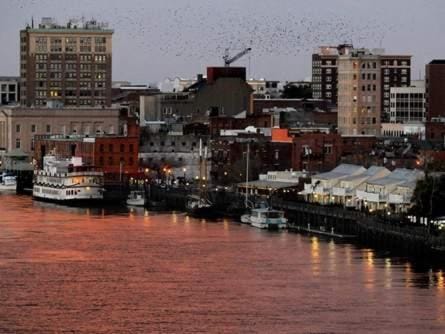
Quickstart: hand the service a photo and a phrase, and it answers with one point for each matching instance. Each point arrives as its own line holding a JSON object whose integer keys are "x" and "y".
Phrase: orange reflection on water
{"x": 315, "y": 256}
{"x": 388, "y": 273}
{"x": 332, "y": 256}
{"x": 369, "y": 269}
{"x": 408, "y": 275}
{"x": 440, "y": 282}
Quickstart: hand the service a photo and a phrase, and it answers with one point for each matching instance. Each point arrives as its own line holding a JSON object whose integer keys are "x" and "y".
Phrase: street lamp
{"x": 184, "y": 170}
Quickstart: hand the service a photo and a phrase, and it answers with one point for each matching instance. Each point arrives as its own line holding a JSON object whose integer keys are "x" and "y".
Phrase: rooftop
{"x": 438, "y": 62}
{"x": 49, "y": 24}
{"x": 9, "y": 78}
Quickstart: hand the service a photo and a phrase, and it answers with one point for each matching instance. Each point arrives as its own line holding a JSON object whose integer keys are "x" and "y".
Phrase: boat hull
{"x": 269, "y": 226}
{"x": 8, "y": 189}
{"x": 203, "y": 212}
{"x": 140, "y": 203}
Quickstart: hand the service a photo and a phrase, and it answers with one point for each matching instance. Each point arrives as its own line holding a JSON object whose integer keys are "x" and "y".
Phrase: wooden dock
{"x": 330, "y": 234}
{"x": 369, "y": 229}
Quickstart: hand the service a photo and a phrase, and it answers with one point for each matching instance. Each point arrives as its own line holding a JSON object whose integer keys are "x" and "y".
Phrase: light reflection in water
{"x": 440, "y": 282}
{"x": 332, "y": 256}
{"x": 181, "y": 277}
{"x": 408, "y": 275}
{"x": 369, "y": 270}
{"x": 388, "y": 273}
{"x": 315, "y": 256}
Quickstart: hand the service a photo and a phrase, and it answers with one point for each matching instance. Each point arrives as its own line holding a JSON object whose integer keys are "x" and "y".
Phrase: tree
{"x": 430, "y": 190}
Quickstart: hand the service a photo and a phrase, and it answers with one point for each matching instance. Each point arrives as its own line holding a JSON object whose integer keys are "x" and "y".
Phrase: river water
{"x": 65, "y": 270}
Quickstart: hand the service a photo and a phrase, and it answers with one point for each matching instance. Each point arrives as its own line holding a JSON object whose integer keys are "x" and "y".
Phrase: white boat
{"x": 67, "y": 181}
{"x": 136, "y": 198}
{"x": 8, "y": 183}
{"x": 201, "y": 207}
{"x": 265, "y": 218}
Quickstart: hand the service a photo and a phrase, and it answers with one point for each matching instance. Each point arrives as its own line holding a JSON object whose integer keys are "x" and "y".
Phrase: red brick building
{"x": 229, "y": 157}
{"x": 358, "y": 144}
{"x": 312, "y": 151}
{"x": 114, "y": 155}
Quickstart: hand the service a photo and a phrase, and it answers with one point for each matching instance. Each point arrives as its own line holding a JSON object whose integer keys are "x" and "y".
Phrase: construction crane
{"x": 229, "y": 60}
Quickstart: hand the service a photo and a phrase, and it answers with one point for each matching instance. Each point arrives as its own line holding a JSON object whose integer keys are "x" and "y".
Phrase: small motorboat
{"x": 8, "y": 184}
{"x": 265, "y": 218}
{"x": 136, "y": 198}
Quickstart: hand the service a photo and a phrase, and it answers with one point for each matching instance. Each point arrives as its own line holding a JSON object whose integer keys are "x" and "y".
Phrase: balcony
{"x": 371, "y": 197}
{"x": 399, "y": 199}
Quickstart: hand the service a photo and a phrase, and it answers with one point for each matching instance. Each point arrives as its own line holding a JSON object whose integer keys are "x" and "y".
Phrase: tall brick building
{"x": 395, "y": 72}
{"x": 66, "y": 65}
{"x": 435, "y": 100}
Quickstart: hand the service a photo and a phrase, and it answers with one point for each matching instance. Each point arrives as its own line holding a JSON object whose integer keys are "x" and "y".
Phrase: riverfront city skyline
{"x": 154, "y": 40}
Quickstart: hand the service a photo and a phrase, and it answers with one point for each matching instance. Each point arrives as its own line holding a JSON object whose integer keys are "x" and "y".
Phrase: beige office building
{"x": 66, "y": 65}
{"x": 20, "y": 125}
{"x": 359, "y": 93}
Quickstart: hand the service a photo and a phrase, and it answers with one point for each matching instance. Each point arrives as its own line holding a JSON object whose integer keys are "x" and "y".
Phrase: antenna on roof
{"x": 32, "y": 22}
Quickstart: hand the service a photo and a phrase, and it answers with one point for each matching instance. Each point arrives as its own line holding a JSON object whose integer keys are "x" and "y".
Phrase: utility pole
{"x": 246, "y": 203}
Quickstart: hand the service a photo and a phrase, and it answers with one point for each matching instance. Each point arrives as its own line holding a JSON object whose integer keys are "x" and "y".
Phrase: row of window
{"x": 82, "y": 102}
{"x": 412, "y": 96}
{"x": 71, "y": 57}
{"x": 122, "y": 148}
{"x": 412, "y": 104}
{"x": 33, "y": 128}
{"x": 111, "y": 161}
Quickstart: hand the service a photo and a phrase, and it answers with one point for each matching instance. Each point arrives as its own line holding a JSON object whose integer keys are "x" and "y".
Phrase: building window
{"x": 17, "y": 143}
{"x": 122, "y": 148}
{"x": 110, "y": 148}
{"x": 33, "y": 128}
{"x": 17, "y": 128}
{"x": 48, "y": 128}
{"x": 327, "y": 149}
{"x": 110, "y": 161}
{"x": 101, "y": 148}
{"x": 131, "y": 148}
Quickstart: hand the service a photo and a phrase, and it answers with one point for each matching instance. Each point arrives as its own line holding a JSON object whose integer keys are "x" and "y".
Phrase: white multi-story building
{"x": 9, "y": 90}
{"x": 372, "y": 189}
{"x": 394, "y": 189}
{"x": 408, "y": 103}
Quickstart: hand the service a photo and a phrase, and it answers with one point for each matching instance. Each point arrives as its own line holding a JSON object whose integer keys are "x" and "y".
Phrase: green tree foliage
{"x": 430, "y": 190}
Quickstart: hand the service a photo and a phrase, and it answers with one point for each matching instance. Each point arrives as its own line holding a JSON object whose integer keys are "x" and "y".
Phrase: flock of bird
{"x": 202, "y": 30}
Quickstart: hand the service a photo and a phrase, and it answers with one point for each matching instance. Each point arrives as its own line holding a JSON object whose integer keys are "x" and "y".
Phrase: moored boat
{"x": 136, "y": 198}
{"x": 8, "y": 183}
{"x": 67, "y": 181}
{"x": 201, "y": 207}
{"x": 265, "y": 218}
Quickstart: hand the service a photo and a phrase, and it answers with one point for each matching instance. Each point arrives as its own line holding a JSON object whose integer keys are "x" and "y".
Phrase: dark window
{"x": 131, "y": 147}
{"x": 122, "y": 148}
{"x": 110, "y": 147}
{"x": 101, "y": 149}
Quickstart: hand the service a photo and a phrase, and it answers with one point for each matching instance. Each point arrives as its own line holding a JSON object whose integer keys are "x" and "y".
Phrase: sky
{"x": 154, "y": 40}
